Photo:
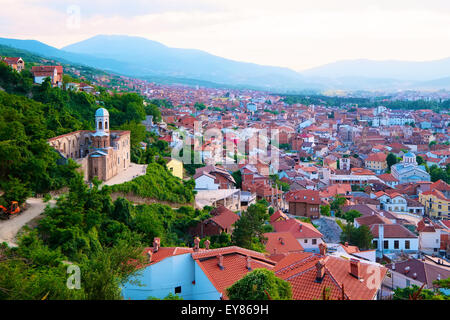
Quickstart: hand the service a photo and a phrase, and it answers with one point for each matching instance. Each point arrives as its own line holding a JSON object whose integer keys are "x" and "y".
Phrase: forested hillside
{"x": 86, "y": 229}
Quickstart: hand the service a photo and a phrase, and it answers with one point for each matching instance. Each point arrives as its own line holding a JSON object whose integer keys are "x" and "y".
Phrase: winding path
{"x": 10, "y": 228}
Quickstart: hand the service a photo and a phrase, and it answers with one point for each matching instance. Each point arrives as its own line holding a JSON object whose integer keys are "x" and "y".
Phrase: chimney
{"x": 207, "y": 244}
{"x": 249, "y": 263}
{"x": 355, "y": 268}
{"x": 281, "y": 240}
{"x": 300, "y": 227}
{"x": 156, "y": 244}
{"x": 196, "y": 243}
{"x": 323, "y": 248}
{"x": 274, "y": 250}
{"x": 393, "y": 266}
{"x": 414, "y": 275}
{"x": 381, "y": 236}
{"x": 407, "y": 269}
{"x": 149, "y": 254}
{"x": 320, "y": 270}
{"x": 220, "y": 264}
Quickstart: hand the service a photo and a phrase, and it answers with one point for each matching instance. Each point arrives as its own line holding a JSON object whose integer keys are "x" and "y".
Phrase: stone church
{"x": 101, "y": 153}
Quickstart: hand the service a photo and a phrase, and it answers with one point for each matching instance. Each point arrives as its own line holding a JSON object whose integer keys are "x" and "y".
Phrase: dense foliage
{"x": 104, "y": 239}
{"x": 361, "y": 237}
{"x": 334, "y": 101}
{"x": 260, "y": 284}
{"x": 249, "y": 229}
{"x": 158, "y": 183}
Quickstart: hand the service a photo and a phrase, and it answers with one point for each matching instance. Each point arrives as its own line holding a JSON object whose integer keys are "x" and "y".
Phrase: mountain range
{"x": 151, "y": 60}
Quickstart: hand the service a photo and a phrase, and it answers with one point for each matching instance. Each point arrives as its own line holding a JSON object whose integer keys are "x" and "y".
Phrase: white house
{"x": 306, "y": 234}
{"x": 393, "y": 239}
{"x": 394, "y": 202}
{"x": 429, "y": 236}
{"x": 206, "y": 181}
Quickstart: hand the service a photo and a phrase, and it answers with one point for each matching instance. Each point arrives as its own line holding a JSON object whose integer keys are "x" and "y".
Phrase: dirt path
{"x": 9, "y": 228}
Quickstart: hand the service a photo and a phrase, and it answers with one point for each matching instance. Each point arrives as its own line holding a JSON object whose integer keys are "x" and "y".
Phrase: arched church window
{"x": 106, "y": 124}
{"x": 100, "y": 125}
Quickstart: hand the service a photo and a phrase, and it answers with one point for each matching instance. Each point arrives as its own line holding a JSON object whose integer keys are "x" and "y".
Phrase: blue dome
{"x": 410, "y": 155}
{"x": 102, "y": 112}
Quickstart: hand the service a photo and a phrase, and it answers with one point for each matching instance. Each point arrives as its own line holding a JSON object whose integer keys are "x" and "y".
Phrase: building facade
{"x": 101, "y": 153}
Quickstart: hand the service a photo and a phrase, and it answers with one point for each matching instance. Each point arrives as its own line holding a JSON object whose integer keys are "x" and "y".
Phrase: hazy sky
{"x": 298, "y": 34}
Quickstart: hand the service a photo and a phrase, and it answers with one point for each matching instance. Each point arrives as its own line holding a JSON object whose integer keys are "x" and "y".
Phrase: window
{"x": 386, "y": 244}
{"x": 100, "y": 125}
{"x": 407, "y": 245}
{"x": 314, "y": 241}
{"x": 396, "y": 244}
{"x": 375, "y": 243}
{"x": 306, "y": 240}
{"x": 177, "y": 289}
{"x": 106, "y": 124}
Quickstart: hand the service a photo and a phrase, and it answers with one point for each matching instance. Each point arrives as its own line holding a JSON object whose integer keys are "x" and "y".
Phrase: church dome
{"x": 102, "y": 112}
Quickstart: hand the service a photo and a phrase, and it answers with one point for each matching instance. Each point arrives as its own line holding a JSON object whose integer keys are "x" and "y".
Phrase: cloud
{"x": 296, "y": 34}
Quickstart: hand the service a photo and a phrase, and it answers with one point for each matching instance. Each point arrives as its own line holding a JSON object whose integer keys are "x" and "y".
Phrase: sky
{"x": 298, "y": 34}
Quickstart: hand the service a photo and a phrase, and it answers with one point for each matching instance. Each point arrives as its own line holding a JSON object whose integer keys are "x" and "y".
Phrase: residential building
{"x": 306, "y": 234}
{"x": 55, "y": 73}
{"x": 436, "y": 204}
{"x": 415, "y": 272}
{"x": 175, "y": 167}
{"x": 393, "y": 239}
{"x": 17, "y": 63}
{"x": 315, "y": 276}
{"x": 192, "y": 273}
{"x": 376, "y": 162}
{"x": 305, "y": 203}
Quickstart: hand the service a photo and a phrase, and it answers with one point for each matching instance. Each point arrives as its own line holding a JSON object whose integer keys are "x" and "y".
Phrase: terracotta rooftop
{"x": 298, "y": 229}
{"x": 281, "y": 242}
{"x": 307, "y": 196}
{"x": 234, "y": 265}
{"x": 301, "y": 272}
{"x": 392, "y": 231}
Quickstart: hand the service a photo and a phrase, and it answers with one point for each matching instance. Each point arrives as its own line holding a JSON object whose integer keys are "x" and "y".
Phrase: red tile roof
{"x": 306, "y": 196}
{"x": 378, "y": 157}
{"x": 301, "y": 272}
{"x": 298, "y": 229}
{"x": 234, "y": 263}
{"x": 281, "y": 242}
{"x": 392, "y": 231}
{"x": 224, "y": 217}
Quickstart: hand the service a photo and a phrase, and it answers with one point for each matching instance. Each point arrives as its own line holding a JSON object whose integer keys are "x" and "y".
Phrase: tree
{"x": 420, "y": 160}
{"x": 153, "y": 110}
{"x": 260, "y": 284}
{"x": 325, "y": 210}
{"x": 249, "y": 229}
{"x": 107, "y": 269}
{"x": 391, "y": 159}
{"x": 361, "y": 237}
{"x": 416, "y": 293}
{"x": 237, "y": 175}
{"x": 336, "y": 205}
{"x": 351, "y": 215}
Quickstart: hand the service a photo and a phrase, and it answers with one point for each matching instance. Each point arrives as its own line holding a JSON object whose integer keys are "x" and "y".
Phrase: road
{"x": 329, "y": 228}
{"x": 10, "y": 228}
